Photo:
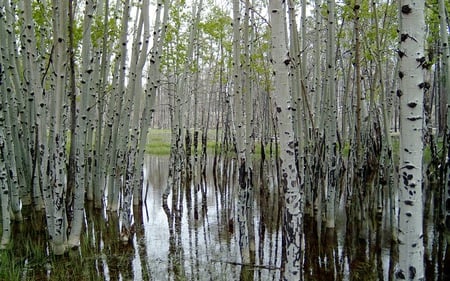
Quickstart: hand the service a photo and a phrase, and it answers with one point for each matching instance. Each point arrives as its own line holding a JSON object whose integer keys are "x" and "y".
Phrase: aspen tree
{"x": 331, "y": 124}
{"x": 79, "y": 135}
{"x": 56, "y": 215}
{"x": 317, "y": 93}
{"x": 135, "y": 158}
{"x": 138, "y": 136}
{"x": 317, "y": 78}
{"x": 244, "y": 119}
{"x": 22, "y": 134}
{"x": 236, "y": 108}
{"x": 115, "y": 168}
{"x": 153, "y": 79}
{"x": 297, "y": 83}
{"x": 239, "y": 129}
{"x": 9, "y": 99}
{"x": 37, "y": 74}
{"x": 32, "y": 64}
{"x": 386, "y": 161}
{"x": 106, "y": 169}
{"x": 292, "y": 192}
{"x": 445, "y": 49}
{"x": 6, "y": 217}
{"x": 411, "y": 88}
{"x": 4, "y": 197}
{"x": 130, "y": 114}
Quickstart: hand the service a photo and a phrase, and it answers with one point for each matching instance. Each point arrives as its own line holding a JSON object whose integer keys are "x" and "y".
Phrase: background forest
{"x": 348, "y": 100}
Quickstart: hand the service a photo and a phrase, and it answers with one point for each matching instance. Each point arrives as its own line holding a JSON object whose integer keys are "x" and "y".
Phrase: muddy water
{"x": 195, "y": 235}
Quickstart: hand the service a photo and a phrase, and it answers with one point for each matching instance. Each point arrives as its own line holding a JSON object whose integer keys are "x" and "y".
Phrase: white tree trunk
{"x": 293, "y": 195}
{"x": 128, "y": 138}
{"x": 137, "y": 162}
{"x": 331, "y": 113}
{"x": 57, "y": 136}
{"x": 32, "y": 64}
{"x": 79, "y": 140}
{"x": 412, "y": 85}
{"x": 4, "y": 197}
{"x": 446, "y": 90}
{"x": 153, "y": 81}
{"x": 114, "y": 155}
{"x": 10, "y": 88}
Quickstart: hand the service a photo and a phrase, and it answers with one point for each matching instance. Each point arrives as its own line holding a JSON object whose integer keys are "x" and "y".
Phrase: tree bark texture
{"x": 411, "y": 88}
{"x": 293, "y": 194}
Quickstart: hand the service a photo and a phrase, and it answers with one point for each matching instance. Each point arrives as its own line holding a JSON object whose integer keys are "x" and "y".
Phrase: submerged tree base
{"x": 203, "y": 243}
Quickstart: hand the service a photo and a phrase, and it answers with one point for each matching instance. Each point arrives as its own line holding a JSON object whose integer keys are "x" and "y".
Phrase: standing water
{"x": 194, "y": 234}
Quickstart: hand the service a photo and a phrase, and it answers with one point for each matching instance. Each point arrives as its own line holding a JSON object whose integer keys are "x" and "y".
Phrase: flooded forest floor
{"x": 195, "y": 235}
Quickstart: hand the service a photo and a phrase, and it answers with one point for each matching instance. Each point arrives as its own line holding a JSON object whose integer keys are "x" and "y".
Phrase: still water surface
{"x": 196, "y": 236}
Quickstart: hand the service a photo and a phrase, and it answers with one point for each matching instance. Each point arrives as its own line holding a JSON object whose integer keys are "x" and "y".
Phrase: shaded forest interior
{"x": 331, "y": 114}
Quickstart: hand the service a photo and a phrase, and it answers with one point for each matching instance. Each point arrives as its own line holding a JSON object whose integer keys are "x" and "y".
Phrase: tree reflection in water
{"x": 192, "y": 233}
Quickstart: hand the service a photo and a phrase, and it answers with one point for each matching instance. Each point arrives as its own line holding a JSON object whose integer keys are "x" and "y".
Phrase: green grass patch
{"x": 158, "y": 148}
{"x": 10, "y": 269}
{"x": 159, "y": 135}
{"x": 158, "y": 142}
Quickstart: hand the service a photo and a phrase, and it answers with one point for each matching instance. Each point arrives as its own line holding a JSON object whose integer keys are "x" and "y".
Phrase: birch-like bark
{"x": 293, "y": 194}
{"x": 238, "y": 126}
{"x": 20, "y": 134}
{"x": 114, "y": 157}
{"x": 386, "y": 159}
{"x": 317, "y": 77}
{"x": 79, "y": 135}
{"x": 10, "y": 154}
{"x": 236, "y": 100}
{"x": 4, "y": 197}
{"x": 127, "y": 138}
{"x": 244, "y": 117}
{"x": 59, "y": 114}
{"x": 411, "y": 88}
{"x": 135, "y": 157}
{"x": 57, "y": 136}
{"x": 153, "y": 79}
{"x": 9, "y": 99}
{"x": 331, "y": 112}
{"x": 445, "y": 82}
{"x": 32, "y": 64}
{"x": 106, "y": 171}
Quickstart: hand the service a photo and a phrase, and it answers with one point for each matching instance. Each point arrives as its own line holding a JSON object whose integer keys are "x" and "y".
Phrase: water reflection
{"x": 193, "y": 233}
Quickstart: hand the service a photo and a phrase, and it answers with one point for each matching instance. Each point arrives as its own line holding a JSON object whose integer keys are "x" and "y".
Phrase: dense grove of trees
{"x": 330, "y": 83}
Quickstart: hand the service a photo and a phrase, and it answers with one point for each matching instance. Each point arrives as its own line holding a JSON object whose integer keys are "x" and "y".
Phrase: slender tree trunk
{"x": 115, "y": 154}
{"x": 6, "y": 218}
{"x": 412, "y": 86}
{"x": 57, "y": 136}
{"x": 386, "y": 161}
{"x": 79, "y": 135}
{"x": 293, "y": 193}
{"x": 445, "y": 82}
{"x": 4, "y": 197}
{"x": 331, "y": 124}
{"x": 32, "y": 64}
{"x": 153, "y": 81}
{"x": 127, "y": 139}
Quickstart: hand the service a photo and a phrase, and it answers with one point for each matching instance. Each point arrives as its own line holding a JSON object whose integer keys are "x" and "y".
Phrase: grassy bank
{"x": 159, "y": 144}
{"x": 158, "y": 141}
